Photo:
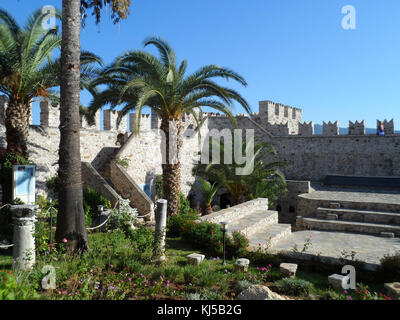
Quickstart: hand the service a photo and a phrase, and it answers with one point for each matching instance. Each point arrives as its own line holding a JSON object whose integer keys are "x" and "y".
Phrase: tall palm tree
{"x": 138, "y": 79}
{"x": 265, "y": 180}
{"x": 29, "y": 70}
{"x": 71, "y": 217}
{"x": 26, "y": 72}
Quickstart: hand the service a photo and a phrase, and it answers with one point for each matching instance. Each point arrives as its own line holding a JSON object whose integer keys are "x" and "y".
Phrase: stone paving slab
{"x": 369, "y": 249}
{"x": 353, "y": 196}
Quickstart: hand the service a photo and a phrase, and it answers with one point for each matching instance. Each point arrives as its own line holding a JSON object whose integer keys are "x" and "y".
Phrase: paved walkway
{"x": 354, "y": 196}
{"x": 335, "y": 245}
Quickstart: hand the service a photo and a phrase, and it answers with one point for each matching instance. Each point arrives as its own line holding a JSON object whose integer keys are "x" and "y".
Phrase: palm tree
{"x": 207, "y": 191}
{"x": 71, "y": 217}
{"x": 26, "y": 72}
{"x": 138, "y": 79}
{"x": 265, "y": 180}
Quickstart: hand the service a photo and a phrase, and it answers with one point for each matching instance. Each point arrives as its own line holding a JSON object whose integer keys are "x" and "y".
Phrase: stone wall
{"x": 91, "y": 178}
{"x": 310, "y": 157}
{"x": 287, "y": 205}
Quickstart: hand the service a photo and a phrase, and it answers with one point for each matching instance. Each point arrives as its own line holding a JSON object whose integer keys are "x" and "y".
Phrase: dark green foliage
{"x": 53, "y": 184}
{"x": 184, "y": 205}
{"x": 294, "y": 287}
{"x": 159, "y": 186}
{"x": 237, "y": 245}
{"x": 209, "y": 238}
{"x": 6, "y": 229}
{"x": 389, "y": 268}
{"x": 176, "y": 222}
{"x": 91, "y": 199}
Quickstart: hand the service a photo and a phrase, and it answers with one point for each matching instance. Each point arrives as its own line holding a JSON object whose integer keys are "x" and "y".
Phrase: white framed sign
{"x": 24, "y": 183}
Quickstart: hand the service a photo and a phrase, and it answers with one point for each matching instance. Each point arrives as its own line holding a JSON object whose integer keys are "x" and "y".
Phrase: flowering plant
{"x": 362, "y": 293}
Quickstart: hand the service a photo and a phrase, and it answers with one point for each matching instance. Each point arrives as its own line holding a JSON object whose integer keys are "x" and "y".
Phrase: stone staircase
{"x": 254, "y": 220}
{"x": 336, "y": 217}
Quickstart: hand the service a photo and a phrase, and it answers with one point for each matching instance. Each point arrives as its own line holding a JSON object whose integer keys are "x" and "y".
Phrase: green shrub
{"x": 176, "y": 222}
{"x": 184, "y": 205}
{"x": 389, "y": 268}
{"x": 294, "y": 287}
{"x": 209, "y": 238}
{"x": 204, "y": 235}
{"x": 91, "y": 199}
{"x": 237, "y": 245}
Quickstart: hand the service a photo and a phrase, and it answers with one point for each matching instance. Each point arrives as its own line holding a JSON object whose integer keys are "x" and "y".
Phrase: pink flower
{"x": 64, "y": 240}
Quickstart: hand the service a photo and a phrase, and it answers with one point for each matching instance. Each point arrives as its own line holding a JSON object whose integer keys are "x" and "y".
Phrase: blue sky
{"x": 289, "y": 51}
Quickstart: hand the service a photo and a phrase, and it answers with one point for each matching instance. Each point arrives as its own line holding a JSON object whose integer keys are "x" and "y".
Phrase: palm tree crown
{"x": 137, "y": 79}
{"x": 28, "y": 70}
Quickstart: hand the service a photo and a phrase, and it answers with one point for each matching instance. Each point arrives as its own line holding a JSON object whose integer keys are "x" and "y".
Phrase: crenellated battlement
{"x": 306, "y": 129}
{"x": 330, "y": 128}
{"x": 357, "y": 128}
{"x": 276, "y": 118}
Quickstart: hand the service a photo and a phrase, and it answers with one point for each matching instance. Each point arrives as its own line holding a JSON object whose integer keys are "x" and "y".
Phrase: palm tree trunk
{"x": 17, "y": 127}
{"x": 171, "y": 166}
{"x": 71, "y": 216}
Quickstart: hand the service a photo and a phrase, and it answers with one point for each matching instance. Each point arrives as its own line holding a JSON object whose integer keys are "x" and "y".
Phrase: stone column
{"x": 161, "y": 225}
{"x": 24, "y": 217}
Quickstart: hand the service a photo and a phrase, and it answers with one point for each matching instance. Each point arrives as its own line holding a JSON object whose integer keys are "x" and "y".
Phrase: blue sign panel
{"x": 24, "y": 183}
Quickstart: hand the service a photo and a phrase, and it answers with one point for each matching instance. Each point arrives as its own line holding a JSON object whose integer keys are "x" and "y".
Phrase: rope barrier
{"x": 103, "y": 223}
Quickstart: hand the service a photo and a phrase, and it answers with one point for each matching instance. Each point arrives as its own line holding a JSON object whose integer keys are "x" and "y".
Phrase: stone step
{"x": 253, "y": 222}
{"x": 349, "y": 226}
{"x": 269, "y": 236}
{"x": 376, "y": 217}
{"x": 235, "y": 213}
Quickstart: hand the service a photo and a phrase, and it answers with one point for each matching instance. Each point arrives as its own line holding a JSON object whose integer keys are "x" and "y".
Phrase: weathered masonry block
{"x": 306, "y": 129}
{"x": 388, "y": 126}
{"x": 330, "y": 129}
{"x": 357, "y": 128}
{"x": 49, "y": 114}
{"x": 110, "y": 121}
{"x": 85, "y": 124}
{"x": 145, "y": 122}
{"x": 155, "y": 120}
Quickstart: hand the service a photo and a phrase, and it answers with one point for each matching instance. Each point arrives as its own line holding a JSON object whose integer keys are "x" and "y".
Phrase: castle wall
{"x": 310, "y": 157}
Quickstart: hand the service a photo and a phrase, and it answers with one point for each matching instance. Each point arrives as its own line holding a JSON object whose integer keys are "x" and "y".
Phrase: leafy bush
{"x": 294, "y": 287}
{"x": 184, "y": 205}
{"x": 176, "y": 222}
{"x": 238, "y": 246}
{"x": 209, "y": 238}
{"x": 92, "y": 199}
{"x": 389, "y": 268}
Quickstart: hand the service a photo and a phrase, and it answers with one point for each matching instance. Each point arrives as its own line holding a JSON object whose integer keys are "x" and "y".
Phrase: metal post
{"x": 224, "y": 230}
{"x": 51, "y": 225}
